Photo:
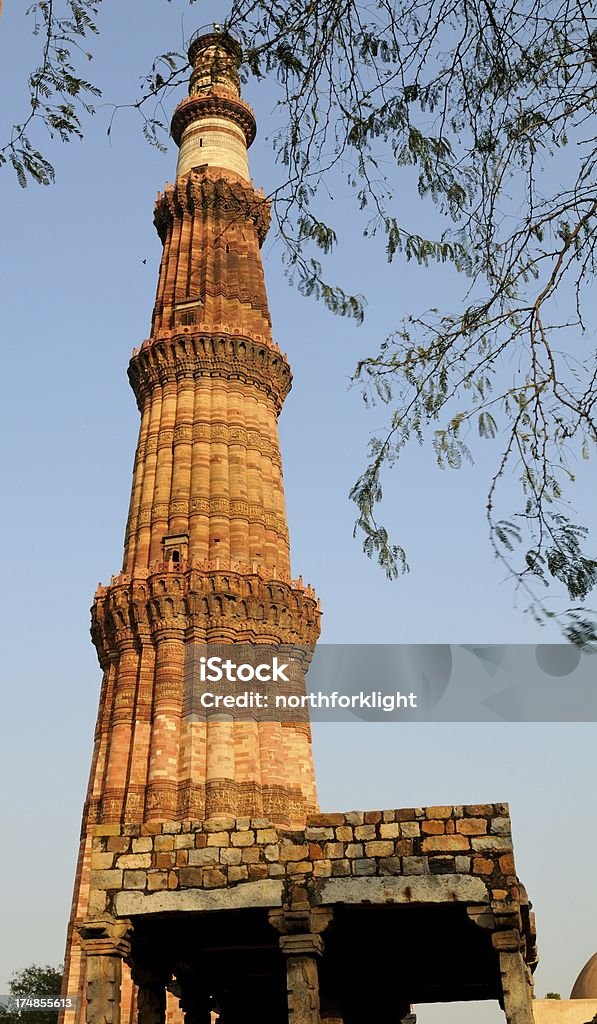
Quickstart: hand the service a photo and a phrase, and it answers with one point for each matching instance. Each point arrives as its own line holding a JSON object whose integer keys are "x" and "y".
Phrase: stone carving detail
{"x": 516, "y": 987}
{"x": 303, "y": 990}
{"x": 205, "y": 603}
{"x": 105, "y": 942}
{"x": 161, "y": 360}
{"x": 209, "y": 190}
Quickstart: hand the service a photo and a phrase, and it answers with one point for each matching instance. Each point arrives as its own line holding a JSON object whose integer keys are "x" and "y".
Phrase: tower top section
{"x": 213, "y": 127}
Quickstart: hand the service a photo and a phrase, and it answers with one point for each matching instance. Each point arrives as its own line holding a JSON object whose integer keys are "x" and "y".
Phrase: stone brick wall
{"x": 223, "y": 853}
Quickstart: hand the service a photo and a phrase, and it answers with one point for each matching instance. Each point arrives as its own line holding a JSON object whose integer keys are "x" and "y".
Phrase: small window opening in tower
{"x": 227, "y": 247}
{"x": 176, "y": 556}
{"x": 188, "y": 317}
{"x": 200, "y": 142}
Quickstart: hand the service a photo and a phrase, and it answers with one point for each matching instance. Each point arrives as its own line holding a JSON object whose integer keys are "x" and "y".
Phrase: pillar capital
{"x": 313, "y": 921}
{"x": 106, "y": 936}
{"x": 301, "y": 945}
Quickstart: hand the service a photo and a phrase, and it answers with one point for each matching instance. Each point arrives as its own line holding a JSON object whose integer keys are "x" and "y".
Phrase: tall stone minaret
{"x": 206, "y": 553}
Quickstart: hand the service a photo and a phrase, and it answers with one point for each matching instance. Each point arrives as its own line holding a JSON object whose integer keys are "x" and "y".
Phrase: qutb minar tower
{"x": 207, "y": 880}
{"x": 206, "y": 553}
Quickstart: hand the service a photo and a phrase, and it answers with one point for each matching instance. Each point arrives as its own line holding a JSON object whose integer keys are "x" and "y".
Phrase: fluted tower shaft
{"x": 206, "y": 553}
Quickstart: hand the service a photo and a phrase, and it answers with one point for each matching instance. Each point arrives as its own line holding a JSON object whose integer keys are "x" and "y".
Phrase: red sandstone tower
{"x": 206, "y": 552}
{"x": 207, "y": 880}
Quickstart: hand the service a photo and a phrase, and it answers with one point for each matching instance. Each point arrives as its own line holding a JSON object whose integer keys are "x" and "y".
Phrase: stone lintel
{"x": 404, "y": 889}
{"x": 263, "y": 893}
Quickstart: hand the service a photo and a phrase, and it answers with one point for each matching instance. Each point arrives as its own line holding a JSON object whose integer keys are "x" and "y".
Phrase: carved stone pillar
{"x": 302, "y": 978}
{"x": 105, "y": 943}
{"x": 517, "y": 990}
{"x": 302, "y": 944}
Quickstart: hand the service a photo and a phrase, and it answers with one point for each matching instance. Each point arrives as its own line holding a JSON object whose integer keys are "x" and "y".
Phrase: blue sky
{"x": 76, "y": 298}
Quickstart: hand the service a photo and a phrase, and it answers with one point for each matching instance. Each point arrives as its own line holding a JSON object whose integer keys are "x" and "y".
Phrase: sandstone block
{"x": 106, "y": 879}
{"x": 332, "y": 851}
{"x": 410, "y": 829}
{"x": 172, "y": 826}
{"x": 354, "y": 818}
{"x": 261, "y": 823}
{"x": 275, "y": 871}
{"x": 257, "y": 871}
{"x": 300, "y": 867}
{"x": 463, "y": 864}
{"x": 472, "y": 826}
{"x": 106, "y": 830}
{"x": 322, "y": 869}
{"x": 364, "y": 867}
{"x": 184, "y": 841}
{"x": 354, "y": 850}
{"x": 372, "y": 817}
{"x": 98, "y": 901}
{"x": 440, "y": 811}
{"x": 390, "y": 866}
{"x": 250, "y": 854}
{"x": 365, "y": 832}
{"x": 447, "y": 844}
{"x": 203, "y": 858}
{"x": 244, "y": 838}
{"x": 406, "y": 814}
{"x": 267, "y": 835}
{"x": 213, "y": 878}
{"x": 134, "y": 860}
{"x": 151, "y": 828}
{"x": 143, "y": 845}
{"x": 433, "y": 828}
{"x": 389, "y": 831}
{"x": 222, "y": 823}
{"x": 157, "y": 880}
{"x": 344, "y": 833}
{"x": 326, "y": 820}
{"x": 311, "y": 832}
{"x": 478, "y": 810}
{"x": 507, "y": 864}
{"x": 290, "y": 851}
{"x": 242, "y": 824}
{"x": 232, "y": 855}
{"x": 191, "y": 877}
{"x": 482, "y": 866}
{"x": 341, "y": 868}
{"x": 102, "y": 861}
{"x": 135, "y": 879}
{"x": 415, "y": 865}
{"x": 491, "y": 844}
{"x": 162, "y": 843}
{"x": 218, "y": 839}
{"x": 119, "y": 844}
{"x": 379, "y": 848}
{"x": 499, "y": 826}
{"x": 315, "y": 851}
{"x": 238, "y": 873}
{"x": 164, "y": 860}
{"x": 173, "y": 879}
